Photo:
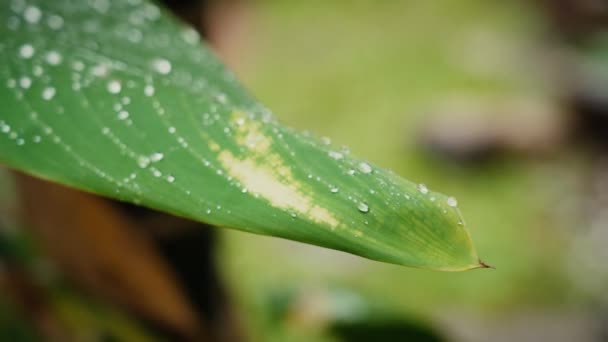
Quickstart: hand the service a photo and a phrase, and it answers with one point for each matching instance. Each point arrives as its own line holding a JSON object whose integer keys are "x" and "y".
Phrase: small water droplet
{"x": 162, "y": 66}
{"x": 100, "y": 70}
{"x": 326, "y": 141}
{"x": 363, "y": 207}
{"x": 423, "y": 189}
{"x": 48, "y": 93}
{"x": 114, "y": 87}
{"x": 26, "y": 51}
{"x": 55, "y": 22}
{"x": 143, "y": 161}
{"x": 123, "y": 115}
{"x": 149, "y": 90}
{"x": 53, "y": 58}
{"x": 170, "y": 179}
{"x": 190, "y": 36}
{"x": 351, "y": 172}
{"x": 156, "y": 157}
{"x": 365, "y": 168}
{"x": 171, "y": 129}
{"x": 334, "y": 190}
{"x": 32, "y": 14}
{"x": 336, "y": 155}
{"x": 452, "y": 202}
{"x": 37, "y": 70}
{"x": 25, "y": 82}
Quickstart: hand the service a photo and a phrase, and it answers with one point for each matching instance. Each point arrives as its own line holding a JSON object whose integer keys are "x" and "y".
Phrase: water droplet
{"x": 326, "y": 141}
{"x": 149, "y": 90}
{"x": 53, "y": 58}
{"x": 156, "y": 157}
{"x": 351, "y": 172}
{"x": 143, "y": 161}
{"x": 334, "y": 190}
{"x": 162, "y": 66}
{"x": 365, "y": 168}
{"x": 37, "y": 70}
{"x": 100, "y": 70}
{"x": 170, "y": 179}
{"x": 48, "y": 93}
{"x": 452, "y": 202}
{"x": 25, "y": 82}
{"x": 423, "y": 189}
{"x": 123, "y": 115}
{"x": 55, "y": 22}
{"x": 26, "y": 51}
{"x": 171, "y": 129}
{"x": 78, "y": 65}
{"x": 114, "y": 87}
{"x": 190, "y": 36}
{"x": 363, "y": 207}
{"x": 335, "y": 155}
{"x": 32, "y": 14}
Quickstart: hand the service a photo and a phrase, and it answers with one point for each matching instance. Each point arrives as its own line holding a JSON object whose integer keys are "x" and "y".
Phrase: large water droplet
{"x": 363, "y": 207}
{"x": 334, "y": 190}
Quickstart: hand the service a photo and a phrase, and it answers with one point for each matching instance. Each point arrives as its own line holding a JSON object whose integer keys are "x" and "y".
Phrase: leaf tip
{"x": 484, "y": 265}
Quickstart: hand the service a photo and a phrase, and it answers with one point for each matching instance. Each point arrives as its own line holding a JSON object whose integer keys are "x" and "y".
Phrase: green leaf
{"x": 120, "y": 99}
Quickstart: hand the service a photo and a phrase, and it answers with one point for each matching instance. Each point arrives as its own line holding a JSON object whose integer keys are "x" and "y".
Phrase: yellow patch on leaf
{"x": 263, "y": 172}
